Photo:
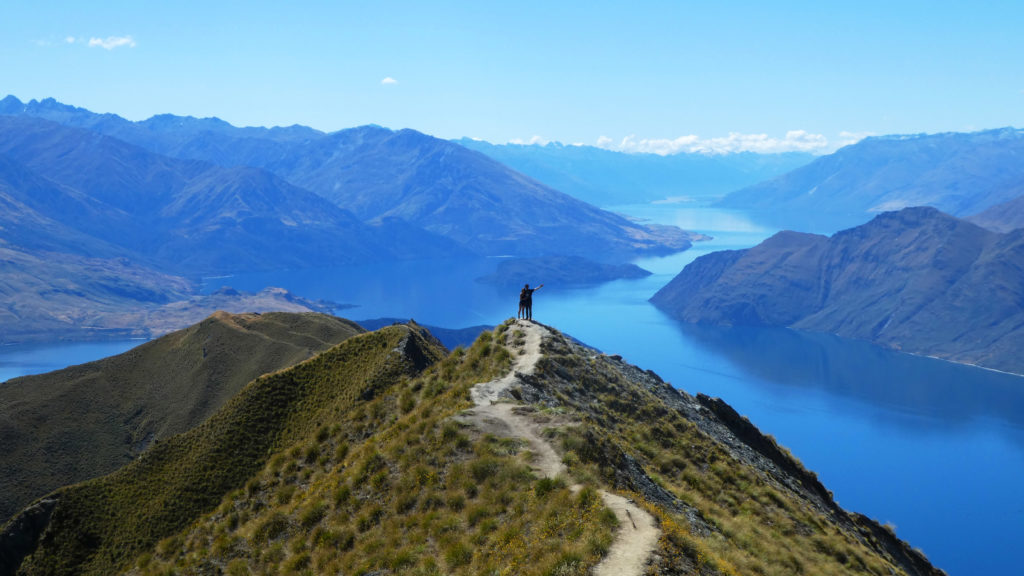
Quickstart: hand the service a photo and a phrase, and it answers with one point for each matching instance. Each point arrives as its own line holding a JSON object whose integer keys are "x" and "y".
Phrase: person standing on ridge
{"x": 526, "y": 301}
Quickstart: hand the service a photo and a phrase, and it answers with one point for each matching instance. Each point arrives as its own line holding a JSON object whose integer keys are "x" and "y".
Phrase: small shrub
{"x": 457, "y": 554}
{"x": 272, "y": 528}
{"x": 238, "y": 567}
{"x": 312, "y": 516}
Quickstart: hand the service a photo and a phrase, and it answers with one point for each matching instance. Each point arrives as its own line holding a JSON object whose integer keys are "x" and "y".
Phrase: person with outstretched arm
{"x": 526, "y": 301}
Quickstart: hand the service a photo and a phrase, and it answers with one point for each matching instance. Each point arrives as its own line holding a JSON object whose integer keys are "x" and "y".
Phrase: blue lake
{"x": 24, "y": 359}
{"x": 934, "y": 448}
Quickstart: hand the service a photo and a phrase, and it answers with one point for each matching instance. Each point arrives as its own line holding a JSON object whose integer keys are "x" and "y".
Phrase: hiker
{"x": 526, "y": 301}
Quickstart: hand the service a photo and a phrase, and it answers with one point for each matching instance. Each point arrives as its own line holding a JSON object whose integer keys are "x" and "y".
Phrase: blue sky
{"x": 643, "y": 76}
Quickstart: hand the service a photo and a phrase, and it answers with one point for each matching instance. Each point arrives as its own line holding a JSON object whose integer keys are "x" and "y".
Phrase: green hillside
{"x": 362, "y": 461}
{"x": 84, "y": 421}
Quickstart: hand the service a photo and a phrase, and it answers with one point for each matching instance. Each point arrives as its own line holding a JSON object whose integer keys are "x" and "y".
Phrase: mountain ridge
{"x": 915, "y": 280}
{"x": 371, "y": 445}
{"x": 958, "y": 173}
{"x": 87, "y": 420}
{"x": 433, "y": 184}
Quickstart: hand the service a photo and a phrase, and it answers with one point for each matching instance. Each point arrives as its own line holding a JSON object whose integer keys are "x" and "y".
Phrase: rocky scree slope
{"x": 370, "y": 469}
{"x": 915, "y": 280}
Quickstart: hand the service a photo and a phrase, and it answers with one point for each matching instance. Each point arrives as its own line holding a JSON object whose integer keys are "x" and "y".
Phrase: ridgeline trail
{"x": 637, "y": 534}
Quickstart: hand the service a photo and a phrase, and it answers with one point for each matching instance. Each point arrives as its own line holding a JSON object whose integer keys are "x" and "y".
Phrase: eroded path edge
{"x": 638, "y": 533}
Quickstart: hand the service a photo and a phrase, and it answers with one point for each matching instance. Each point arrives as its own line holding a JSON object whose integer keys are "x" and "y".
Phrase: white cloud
{"x": 70, "y": 40}
{"x": 847, "y": 138}
{"x": 111, "y": 42}
{"x": 793, "y": 141}
{"x": 389, "y": 80}
{"x": 535, "y": 139}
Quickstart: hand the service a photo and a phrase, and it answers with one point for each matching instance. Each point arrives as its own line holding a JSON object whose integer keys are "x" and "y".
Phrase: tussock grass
{"x": 418, "y": 495}
{"x": 85, "y": 421}
{"x": 757, "y": 525}
{"x": 101, "y": 525}
{"x": 349, "y": 463}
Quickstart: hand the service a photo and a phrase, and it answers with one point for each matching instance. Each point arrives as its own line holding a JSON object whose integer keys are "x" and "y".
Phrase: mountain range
{"x": 385, "y": 453}
{"x": 916, "y": 280}
{"x": 186, "y": 217}
{"x": 609, "y": 178}
{"x": 396, "y": 179}
{"x": 106, "y": 222}
{"x": 959, "y": 173}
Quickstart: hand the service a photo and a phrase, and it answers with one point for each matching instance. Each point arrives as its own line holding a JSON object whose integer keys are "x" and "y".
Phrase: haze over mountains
{"x": 105, "y": 215}
{"x": 959, "y": 173}
{"x": 401, "y": 179}
{"x": 608, "y": 178}
{"x": 915, "y": 280}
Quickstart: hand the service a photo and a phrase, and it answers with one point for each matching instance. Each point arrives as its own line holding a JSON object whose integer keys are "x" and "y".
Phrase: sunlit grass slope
{"x": 100, "y": 525}
{"x": 74, "y": 424}
{"x": 729, "y": 499}
{"x": 395, "y": 484}
{"x": 351, "y": 463}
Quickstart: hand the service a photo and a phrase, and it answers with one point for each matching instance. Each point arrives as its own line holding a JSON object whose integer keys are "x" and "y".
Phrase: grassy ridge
{"x": 100, "y": 525}
{"x": 395, "y": 484}
{"x": 78, "y": 423}
{"x": 749, "y": 521}
{"x": 351, "y": 463}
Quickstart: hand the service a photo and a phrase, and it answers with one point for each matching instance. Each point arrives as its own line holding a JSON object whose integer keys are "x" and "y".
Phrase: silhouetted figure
{"x": 526, "y": 301}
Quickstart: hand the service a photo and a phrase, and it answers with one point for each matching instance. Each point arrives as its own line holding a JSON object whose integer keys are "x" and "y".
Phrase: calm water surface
{"x": 24, "y": 359}
{"x": 934, "y": 448}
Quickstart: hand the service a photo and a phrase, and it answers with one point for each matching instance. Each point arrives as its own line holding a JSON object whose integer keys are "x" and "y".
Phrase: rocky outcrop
{"x": 21, "y": 535}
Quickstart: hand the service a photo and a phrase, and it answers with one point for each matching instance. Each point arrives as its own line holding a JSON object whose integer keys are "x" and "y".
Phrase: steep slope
{"x": 608, "y": 178}
{"x": 1003, "y": 217}
{"x": 365, "y": 467}
{"x": 189, "y": 217}
{"x": 958, "y": 173}
{"x": 638, "y": 535}
{"x": 449, "y": 190}
{"x": 38, "y": 215}
{"x": 433, "y": 185}
{"x": 97, "y": 526}
{"x": 915, "y": 280}
{"x": 81, "y": 422}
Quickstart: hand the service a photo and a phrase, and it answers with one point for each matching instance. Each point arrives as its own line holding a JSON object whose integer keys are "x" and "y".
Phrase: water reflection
{"x": 945, "y": 394}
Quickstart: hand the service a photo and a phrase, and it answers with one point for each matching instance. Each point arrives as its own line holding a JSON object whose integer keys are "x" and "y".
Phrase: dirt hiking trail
{"x": 637, "y": 535}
